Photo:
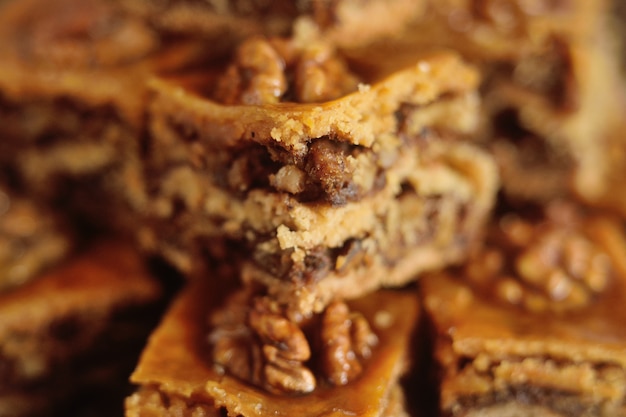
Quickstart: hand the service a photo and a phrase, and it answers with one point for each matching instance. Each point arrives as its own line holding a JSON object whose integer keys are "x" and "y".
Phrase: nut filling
{"x": 543, "y": 266}
{"x": 252, "y": 339}
{"x": 30, "y": 241}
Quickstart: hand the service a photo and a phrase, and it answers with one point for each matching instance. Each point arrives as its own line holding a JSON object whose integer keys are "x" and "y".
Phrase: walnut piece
{"x": 234, "y": 347}
{"x": 285, "y": 349}
{"x": 265, "y": 71}
{"x": 540, "y": 267}
{"x": 256, "y": 75}
{"x": 321, "y": 76}
{"x": 252, "y": 339}
{"x": 347, "y": 340}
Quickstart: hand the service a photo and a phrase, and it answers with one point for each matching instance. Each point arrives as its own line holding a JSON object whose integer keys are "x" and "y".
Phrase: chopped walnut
{"x": 347, "y": 341}
{"x": 327, "y": 167}
{"x": 321, "y": 76}
{"x": 252, "y": 339}
{"x": 545, "y": 266}
{"x": 285, "y": 349}
{"x": 273, "y": 70}
{"x": 257, "y": 75}
{"x": 289, "y": 178}
{"x": 565, "y": 266}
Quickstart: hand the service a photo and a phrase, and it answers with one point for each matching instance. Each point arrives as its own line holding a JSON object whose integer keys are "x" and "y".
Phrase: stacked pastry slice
{"x": 321, "y": 182}
{"x": 359, "y": 186}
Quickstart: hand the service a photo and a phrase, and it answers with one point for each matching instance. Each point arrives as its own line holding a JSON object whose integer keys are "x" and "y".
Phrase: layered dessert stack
{"x": 302, "y": 164}
{"x": 333, "y": 183}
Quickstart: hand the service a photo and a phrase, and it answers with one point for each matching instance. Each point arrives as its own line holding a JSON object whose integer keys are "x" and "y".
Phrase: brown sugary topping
{"x": 541, "y": 266}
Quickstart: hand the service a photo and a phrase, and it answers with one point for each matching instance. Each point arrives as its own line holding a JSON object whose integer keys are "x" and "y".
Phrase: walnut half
{"x": 541, "y": 267}
{"x": 347, "y": 340}
{"x": 285, "y": 349}
{"x": 273, "y": 70}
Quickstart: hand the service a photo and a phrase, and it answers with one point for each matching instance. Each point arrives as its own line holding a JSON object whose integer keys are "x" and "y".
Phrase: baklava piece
{"x": 177, "y": 377}
{"x": 339, "y": 181}
{"x": 533, "y": 325}
{"x": 550, "y": 86}
{"x": 73, "y": 94}
{"x": 75, "y": 331}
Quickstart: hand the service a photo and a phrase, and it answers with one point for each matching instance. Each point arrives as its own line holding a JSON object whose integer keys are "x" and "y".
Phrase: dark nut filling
{"x": 30, "y": 241}
{"x": 252, "y": 339}
{"x": 543, "y": 266}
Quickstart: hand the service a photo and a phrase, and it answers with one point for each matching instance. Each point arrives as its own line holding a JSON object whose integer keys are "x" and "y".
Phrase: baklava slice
{"x": 176, "y": 374}
{"x": 533, "y": 324}
{"x": 550, "y": 86}
{"x": 73, "y": 334}
{"x": 73, "y": 95}
{"x": 338, "y": 179}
